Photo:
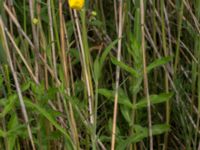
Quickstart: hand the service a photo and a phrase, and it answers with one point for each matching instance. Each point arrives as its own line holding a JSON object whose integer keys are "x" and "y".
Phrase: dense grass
{"x": 113, "y": 75}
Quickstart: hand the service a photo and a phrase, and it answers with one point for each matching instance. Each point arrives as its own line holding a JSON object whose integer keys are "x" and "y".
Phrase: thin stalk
{"x": 21, "y": 56}
{"x": 70, "y": 79}
{"x": 35, "y": 37}
{"x": 15, "y": 21}
{"x": 85, "y": 68}
{"x": 116, "y": 17}
{"x": 198, "y": 93}
{"x": 66, "y": 76}
{"x": 24, "y": 14}
{"x": 87, "y": 51}
{"x": 102, "y": 14}
{"x": 95, "y": 111}
{"x": 52, "y": 37}
{"x": 4, "y": 72}
{"x": 154, "y": 39}
{"x": 164, "y": 43}
{"x": 196, "y": 75}
{"x": 55, "y": 24}
{"x": 50, "y": 4}
{"x": 120, "y": 23}
{"x": 180, "y": 19}
{"x": 54, "y": 27}
{"x": 146, "y": 86}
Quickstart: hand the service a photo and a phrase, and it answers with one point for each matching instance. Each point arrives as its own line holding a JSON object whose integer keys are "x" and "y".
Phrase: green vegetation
{"x": 119, "y": 75}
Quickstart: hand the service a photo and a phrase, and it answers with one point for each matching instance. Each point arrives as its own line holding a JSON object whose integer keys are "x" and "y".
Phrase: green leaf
{"x": 13, "y": 123}
{"x": 10, "y": 103}
{"x": 2, "y": 133}
{"x": 99, "y": 61}
{"x": 38, "y": 90}
{"x": 155, "y": 99}
{"x": 124, "y": 67}
{"x": 48, "y": 116}
{"x": 19, "y": 129}
{"x": 141, "y": 134}
{"x": 107, "y": 93}
{"x": 26, "y": 86}
{"x": 97, "y": 69}
{"x": 123, "y": 99}
{"x": 49, "y": 94}
{"x": 160, "y": 129}
{"x": 106, "y": 51}
{"x": 126, "y": 113}
{"x": 158, "y": 63}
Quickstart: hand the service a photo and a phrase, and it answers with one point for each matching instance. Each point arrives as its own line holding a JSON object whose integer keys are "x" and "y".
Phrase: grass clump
{"x": 103, "y": 75}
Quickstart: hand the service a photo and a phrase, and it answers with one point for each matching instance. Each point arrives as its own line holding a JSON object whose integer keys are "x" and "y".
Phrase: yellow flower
{"x": 76, "y": 4}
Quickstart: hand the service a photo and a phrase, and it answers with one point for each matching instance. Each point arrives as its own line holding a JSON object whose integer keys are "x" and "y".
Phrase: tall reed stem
{"x": 117, "y": 75}
{"x": 146, "y": 86}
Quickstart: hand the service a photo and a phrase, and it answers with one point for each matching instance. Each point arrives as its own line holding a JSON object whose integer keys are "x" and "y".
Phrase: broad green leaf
{"x": 123, "y": 99}
{"x": 124, "y": 67}
{"x": 122, "y": 144}
{"x": 160, "y": 129}
{"x": 107, "y": 93}
{"x": 126, "y": 113}
{"x": 155, "y": 99}
{"x": 139, "y": 136}
{"x": 138, "y": 128}
{"x": 158, "y": 63}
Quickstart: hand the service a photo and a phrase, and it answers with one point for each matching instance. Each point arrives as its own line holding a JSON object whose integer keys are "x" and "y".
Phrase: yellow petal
{"x": 76, "y": 4}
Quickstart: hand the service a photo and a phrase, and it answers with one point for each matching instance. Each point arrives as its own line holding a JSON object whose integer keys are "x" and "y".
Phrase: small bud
{"x": 35, "y": 21}
{"x": 94, "y": 13}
